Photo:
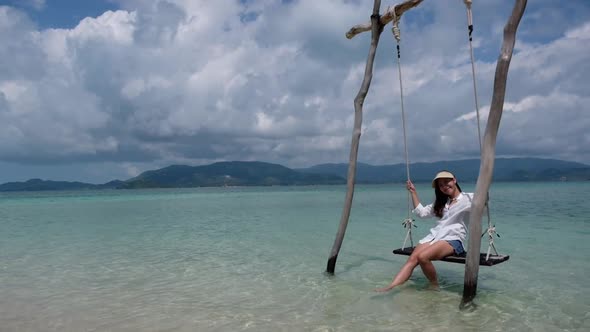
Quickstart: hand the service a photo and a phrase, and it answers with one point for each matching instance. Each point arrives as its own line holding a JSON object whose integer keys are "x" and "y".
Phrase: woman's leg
{"x": 406, "y": 271}
{"x": 435, "y": 251}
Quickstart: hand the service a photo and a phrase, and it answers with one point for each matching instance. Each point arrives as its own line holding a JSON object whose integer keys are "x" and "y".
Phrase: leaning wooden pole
{"x": 488, "y": 154}
{"x": 376, "y": 29}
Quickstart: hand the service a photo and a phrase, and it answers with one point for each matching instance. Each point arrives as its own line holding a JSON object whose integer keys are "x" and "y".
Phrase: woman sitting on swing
{"x": 451, "y": 206}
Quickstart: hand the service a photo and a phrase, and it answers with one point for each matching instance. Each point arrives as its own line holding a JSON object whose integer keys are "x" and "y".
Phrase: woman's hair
{"x": 441, "y": 199}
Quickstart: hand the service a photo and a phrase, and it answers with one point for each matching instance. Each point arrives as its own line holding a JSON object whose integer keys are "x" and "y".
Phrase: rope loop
{"x": 408, "y": 223}
{"x": 491, "y": 231}
{"x": 395, "y": 28}
{"x": 396, "y": 32}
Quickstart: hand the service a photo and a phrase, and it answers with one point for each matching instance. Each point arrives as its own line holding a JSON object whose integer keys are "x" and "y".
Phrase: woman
{"x": 451, "y": 206}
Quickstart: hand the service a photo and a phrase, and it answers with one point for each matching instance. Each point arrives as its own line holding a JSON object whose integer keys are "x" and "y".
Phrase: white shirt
{"x": 452, "y": 226}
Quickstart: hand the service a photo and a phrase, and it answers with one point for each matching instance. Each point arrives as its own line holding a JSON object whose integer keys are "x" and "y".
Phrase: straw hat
{"x": 442, "y": 175}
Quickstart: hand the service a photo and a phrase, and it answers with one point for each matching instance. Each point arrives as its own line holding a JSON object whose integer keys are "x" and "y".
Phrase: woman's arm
{"x": 420, "y": 210}
{"x": 413, "y": 192}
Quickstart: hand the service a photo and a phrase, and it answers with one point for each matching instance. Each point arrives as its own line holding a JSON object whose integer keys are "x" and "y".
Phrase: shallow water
{"x": 253, "y": 259}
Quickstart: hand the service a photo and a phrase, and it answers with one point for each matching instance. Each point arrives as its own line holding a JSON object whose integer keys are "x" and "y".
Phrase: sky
{"x": 99, "y": 90}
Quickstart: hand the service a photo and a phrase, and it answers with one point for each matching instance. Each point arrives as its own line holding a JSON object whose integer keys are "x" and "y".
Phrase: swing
{"x": 485, "y": 259}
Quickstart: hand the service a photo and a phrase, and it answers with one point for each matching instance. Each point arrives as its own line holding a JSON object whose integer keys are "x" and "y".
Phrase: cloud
{"x": 160, "y": 82}
{"x": 545, "y": 113}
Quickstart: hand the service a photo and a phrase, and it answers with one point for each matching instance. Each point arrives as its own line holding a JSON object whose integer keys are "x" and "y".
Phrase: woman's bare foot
{"x": 384, "y": 289}
{"x": 433, "y": 287}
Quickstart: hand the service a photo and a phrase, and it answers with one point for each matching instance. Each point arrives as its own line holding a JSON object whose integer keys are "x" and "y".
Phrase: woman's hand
{"x": 413, "y": 193}
{"x": 410, "y": 186}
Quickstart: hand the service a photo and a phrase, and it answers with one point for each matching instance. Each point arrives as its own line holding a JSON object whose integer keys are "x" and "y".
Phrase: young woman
{"x": 451, "y": 206}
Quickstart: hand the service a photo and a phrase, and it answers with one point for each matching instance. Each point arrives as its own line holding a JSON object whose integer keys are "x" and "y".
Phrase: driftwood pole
{"x": 488, "y": 152}
{"x": 376, "y": 27}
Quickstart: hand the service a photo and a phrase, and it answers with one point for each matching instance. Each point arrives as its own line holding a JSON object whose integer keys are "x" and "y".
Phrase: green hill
{"x": 240, "y": 173}
{"x": 234, "y": 173}
{"x": 505, "y": 169}
{"x": 44, "y": 185}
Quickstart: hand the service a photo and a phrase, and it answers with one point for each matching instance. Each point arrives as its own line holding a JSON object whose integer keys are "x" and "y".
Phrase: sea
{"x": 254, "y": 259}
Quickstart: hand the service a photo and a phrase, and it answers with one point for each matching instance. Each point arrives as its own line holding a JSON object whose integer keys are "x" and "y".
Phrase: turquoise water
{"x": 252, "y": 259}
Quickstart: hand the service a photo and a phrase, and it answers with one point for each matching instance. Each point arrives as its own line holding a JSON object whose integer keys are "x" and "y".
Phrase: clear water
{"x": 253, "y": 259}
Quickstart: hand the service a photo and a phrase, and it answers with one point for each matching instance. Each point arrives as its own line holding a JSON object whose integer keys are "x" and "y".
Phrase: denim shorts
{"x": 457, "y": 246}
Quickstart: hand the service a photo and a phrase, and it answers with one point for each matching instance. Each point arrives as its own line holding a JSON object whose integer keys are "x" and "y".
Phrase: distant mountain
{"x": 115, "y": 184}
{"x": 43, "y": 185}
{"x": 233, "y": 173}
{"x": 239, "y": 173}
{"x": 505, "y": 169}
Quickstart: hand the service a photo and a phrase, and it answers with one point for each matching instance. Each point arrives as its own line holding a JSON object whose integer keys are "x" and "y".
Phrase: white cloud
{"x": 201, "y": 81}
{"x": 113, "y": 27}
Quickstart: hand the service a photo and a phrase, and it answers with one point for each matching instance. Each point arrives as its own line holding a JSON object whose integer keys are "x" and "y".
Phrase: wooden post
{"x": 376, "y": 27}
{"x": 488, "y": 154}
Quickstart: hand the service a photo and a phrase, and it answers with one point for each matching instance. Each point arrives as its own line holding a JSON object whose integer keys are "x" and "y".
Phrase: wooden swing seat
{"x": 493, "y": 260}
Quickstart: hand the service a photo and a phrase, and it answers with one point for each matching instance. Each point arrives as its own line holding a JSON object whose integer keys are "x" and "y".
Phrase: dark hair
{"x": 441, "y": 199}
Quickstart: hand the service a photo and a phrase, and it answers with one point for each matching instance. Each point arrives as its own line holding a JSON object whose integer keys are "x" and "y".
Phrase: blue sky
{"x": 97, "y": 90}
{"x": 60, "y": 13}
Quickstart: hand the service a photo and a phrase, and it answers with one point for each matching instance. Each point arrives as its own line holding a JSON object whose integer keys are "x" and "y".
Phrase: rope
{"x": 470, "y": 28}
{"x": 491, "y": 229}
{"x": 408, "y": 223}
